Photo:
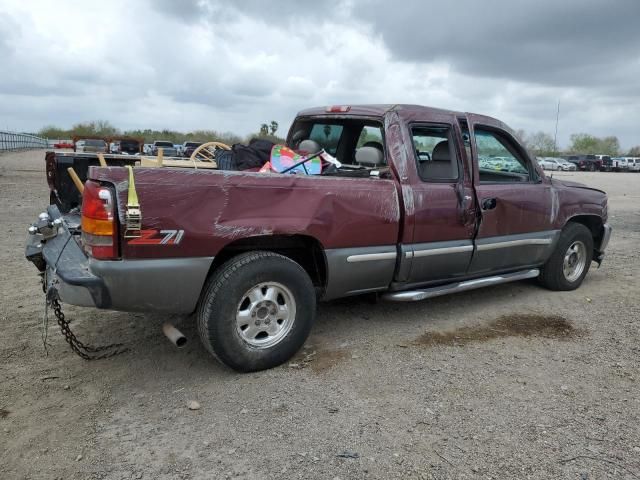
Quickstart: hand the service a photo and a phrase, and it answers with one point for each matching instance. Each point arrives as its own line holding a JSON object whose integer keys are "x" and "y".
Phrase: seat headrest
{"x": 441, "y": 152}
{"x": 307, "y": 147}
{"x": 369, "y": 156}
{"x": 375, "y": 144}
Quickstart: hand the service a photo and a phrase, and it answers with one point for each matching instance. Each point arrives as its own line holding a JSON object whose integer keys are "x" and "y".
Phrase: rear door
{"x": 516, "y": 207}
{"x": 442, "y": 199}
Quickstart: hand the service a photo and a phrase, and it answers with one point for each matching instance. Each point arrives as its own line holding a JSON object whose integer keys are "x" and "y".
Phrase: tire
{"x": 559, "y": 273}
{"x": 279, "y": 314}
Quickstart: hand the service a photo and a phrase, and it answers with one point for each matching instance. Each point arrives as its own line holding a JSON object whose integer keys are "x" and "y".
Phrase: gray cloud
{"x": 227, "y": 65}
{"x": 567, "y": 43}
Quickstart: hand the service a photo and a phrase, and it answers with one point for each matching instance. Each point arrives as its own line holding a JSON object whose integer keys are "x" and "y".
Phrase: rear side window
{"x": 327, "y": 135}
{"x": 435, "y": 153}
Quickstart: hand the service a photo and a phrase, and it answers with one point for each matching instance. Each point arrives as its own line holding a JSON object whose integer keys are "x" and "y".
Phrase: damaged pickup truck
{"x": 414, "y": 208}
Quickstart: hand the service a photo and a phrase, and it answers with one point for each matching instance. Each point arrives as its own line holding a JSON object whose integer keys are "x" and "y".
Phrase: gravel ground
{"x": 512, "y": 381}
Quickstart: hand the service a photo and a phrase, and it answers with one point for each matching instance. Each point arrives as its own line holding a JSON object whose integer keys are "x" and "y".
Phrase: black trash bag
{"x": 243, "y": 157}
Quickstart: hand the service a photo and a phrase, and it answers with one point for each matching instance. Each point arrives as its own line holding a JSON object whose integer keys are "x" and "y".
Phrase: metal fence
{"x": 20, "y": 141}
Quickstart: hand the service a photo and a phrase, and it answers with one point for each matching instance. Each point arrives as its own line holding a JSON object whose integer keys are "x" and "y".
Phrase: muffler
{"x": 174, "y": 335}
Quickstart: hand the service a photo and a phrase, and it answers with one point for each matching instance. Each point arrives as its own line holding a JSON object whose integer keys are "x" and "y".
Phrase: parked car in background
{"x": 167, "y": 148}
{"x": 78, "y": 146}
{"x": 129, "y": 146}
{"x": 92, "y": 145}
{"x": 189, "y": 147}
{"x": 147, "y": 148}
{"x": 548, "y": 163}
{"x": 590, "y": 163}
{"x": 621, "y": 164}
{"x": 634, "y": 164}
{"x": 554, "y": 163}
{"x": 63, "y": 144}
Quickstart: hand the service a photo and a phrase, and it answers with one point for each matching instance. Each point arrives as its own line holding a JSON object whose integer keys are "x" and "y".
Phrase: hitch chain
{"x": 87, "y": 352}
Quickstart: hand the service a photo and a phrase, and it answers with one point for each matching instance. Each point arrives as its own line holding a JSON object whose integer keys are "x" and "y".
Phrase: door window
{"x": 435, "y": 153}
{"x": 498, "y": 159}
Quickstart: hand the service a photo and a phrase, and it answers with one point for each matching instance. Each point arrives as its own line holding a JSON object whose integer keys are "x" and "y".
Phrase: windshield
{"x": 164, "y": 144}
{"x": 192, "y": 144}
{"x": 94, "y": 143}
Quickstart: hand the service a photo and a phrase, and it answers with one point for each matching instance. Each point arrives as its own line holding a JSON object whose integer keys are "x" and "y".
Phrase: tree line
{"x": 539, "y": 143}
{"x": 543, "y": 145}
{"x": 102, "y": 128}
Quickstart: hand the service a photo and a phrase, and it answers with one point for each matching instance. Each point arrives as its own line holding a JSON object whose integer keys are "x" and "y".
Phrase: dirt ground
{"x": 511, "y": 381}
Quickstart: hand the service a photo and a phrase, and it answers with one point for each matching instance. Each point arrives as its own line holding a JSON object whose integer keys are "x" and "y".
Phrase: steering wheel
{"x": 207, "y": 151}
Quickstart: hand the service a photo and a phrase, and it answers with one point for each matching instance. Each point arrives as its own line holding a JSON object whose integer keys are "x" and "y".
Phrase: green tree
{"x": 635, "y": 151}
{"x": 264, "y": 130}
{"x": 584, "y": 143}
{"x": 273, "y": 127}
{"x": 541, "y": 143}
{"x": 609, "y": 146}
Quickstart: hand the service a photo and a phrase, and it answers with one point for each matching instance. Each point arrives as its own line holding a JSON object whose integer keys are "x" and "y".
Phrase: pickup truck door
{"x": 516, "y": 208}
{"x": 439, "y": 202}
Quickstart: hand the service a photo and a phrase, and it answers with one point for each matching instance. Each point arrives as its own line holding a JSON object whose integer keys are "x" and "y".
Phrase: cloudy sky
{"x": 230, "y": 66}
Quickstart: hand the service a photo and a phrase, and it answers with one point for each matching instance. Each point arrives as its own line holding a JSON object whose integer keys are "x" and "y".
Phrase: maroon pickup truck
{"x": 425, "y": 202}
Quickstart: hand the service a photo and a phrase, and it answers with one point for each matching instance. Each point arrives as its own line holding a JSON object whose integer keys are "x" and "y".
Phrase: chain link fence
{"x": 20, "y": 141}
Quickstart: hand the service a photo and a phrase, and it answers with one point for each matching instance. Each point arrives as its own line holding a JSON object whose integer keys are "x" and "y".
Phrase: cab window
{"x": 498, "y": 159}
{"x": 327, "y": 135}
{"x": 435, "y": 153}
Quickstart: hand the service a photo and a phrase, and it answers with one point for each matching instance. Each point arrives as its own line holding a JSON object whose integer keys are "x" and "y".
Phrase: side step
{"x": 415, "y": 295}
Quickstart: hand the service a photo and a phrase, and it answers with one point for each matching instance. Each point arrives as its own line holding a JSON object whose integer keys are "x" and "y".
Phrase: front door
{"x": 516, "y": 208}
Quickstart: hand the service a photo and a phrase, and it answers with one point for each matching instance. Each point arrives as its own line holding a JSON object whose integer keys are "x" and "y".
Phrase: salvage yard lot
{"x": 504, "y": 382}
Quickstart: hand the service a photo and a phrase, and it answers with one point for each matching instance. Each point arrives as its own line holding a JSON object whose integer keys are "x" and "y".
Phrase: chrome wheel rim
{"x": 265, "y": 314}
{"x": 575, "y": 259}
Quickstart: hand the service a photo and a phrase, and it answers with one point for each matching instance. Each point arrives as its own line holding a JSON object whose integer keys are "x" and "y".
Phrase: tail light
{"x": 99, "y": 229}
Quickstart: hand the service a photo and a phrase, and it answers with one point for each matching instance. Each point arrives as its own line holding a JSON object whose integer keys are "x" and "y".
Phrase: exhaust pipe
{"x": 174, "y": 335}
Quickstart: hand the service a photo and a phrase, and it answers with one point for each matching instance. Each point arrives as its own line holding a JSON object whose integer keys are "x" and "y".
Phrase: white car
{"x": 620, "y": 164}
{"x": 634, "y": 164}
{"x": 553, "y": 164}
{"x": 547, "y": 164}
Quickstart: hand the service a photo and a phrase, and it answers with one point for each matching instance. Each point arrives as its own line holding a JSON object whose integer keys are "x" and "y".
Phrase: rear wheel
{"x": 570, "y": 261}
{"x": 256, "y": 311}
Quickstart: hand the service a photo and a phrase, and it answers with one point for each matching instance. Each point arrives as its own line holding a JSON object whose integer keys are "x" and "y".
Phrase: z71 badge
{"x": 155, "y": 237}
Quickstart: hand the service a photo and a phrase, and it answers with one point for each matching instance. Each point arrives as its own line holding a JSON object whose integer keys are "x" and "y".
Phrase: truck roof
{"x": 376, "y": 110}
{"x": 408, "y": 112}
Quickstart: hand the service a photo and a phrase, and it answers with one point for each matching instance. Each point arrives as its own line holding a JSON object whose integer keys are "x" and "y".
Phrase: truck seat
{"x": 440, "y": 166}
{"x": 369, "y": 157}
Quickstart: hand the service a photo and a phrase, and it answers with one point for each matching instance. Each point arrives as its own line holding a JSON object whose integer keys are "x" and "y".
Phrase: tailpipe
{"x": 174, "y": 335}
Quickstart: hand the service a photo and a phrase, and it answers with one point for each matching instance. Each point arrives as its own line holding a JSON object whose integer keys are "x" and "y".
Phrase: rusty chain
{"x": 87, "y": 352}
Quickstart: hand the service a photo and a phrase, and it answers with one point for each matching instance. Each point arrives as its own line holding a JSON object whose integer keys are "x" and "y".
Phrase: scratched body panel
{"x": 215, "y": 208}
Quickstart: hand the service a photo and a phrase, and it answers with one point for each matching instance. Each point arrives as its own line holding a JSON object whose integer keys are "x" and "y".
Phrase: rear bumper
{"x": 170, "y": 285}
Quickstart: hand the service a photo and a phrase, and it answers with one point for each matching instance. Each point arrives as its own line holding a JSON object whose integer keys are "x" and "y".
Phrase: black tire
{"x": 552, "y": 274}
{"x": 222, "y": 299}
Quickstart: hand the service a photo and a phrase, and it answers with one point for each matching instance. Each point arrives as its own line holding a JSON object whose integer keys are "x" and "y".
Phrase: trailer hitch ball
{"x": 44, "y": 217}
{"x": 33, "y": 230}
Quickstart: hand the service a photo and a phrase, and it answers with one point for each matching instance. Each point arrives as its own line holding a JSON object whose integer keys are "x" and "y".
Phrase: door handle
{"x": 489, "y": 203}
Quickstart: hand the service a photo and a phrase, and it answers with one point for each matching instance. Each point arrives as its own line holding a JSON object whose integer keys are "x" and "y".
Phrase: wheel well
{"x": 593, "y": 223}
{"x": 302, "y": 249}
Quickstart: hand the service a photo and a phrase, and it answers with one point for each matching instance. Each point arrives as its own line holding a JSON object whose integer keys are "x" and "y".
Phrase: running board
{"x": 415, "y": 295}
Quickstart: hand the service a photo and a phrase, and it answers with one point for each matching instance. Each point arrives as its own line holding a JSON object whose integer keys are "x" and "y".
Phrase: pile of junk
{"x": 266, "y": 157}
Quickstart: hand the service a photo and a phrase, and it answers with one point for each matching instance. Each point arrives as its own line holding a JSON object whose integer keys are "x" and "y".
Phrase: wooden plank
{"x": 103, "y": 162}
{"x": 148, "y": 162}
{"x": 76, "y": 180}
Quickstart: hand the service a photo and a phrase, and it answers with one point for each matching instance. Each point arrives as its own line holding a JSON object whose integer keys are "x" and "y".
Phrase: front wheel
{"x": 570, "y": 261}
{"x": 256, "y": 311}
